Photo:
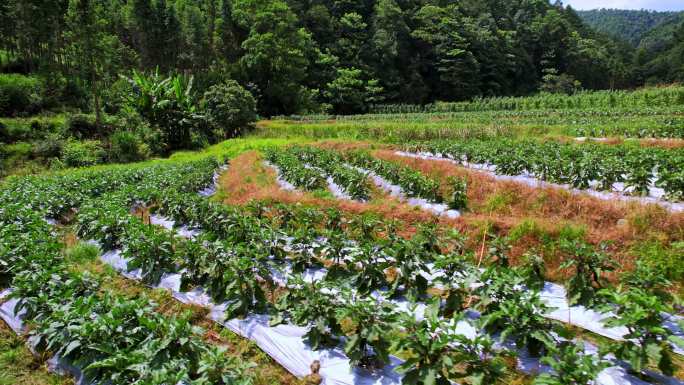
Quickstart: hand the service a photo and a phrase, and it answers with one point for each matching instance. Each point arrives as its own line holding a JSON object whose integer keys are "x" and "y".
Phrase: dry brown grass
{"x": 498, "y": 207}
{"x": 505, "y": 205}
{"x": 248, "y": 179}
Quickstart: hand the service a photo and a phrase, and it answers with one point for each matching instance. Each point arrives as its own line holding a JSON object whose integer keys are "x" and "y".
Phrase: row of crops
{"x": 69, "y": 314}
{"x": 636, "y": 170}
{"x": 366, "y": 301}
{"x": 648, "y": 97}
{"x": 353, "y": 170}
{"x": 648, "y": 123}
{"x": 239, "y": 253}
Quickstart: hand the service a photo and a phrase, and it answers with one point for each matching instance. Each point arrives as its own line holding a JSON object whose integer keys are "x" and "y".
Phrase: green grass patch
{"x": 19, "y": 367}
{"x": 668, "y": 256}
{"x": 82, "y": 252}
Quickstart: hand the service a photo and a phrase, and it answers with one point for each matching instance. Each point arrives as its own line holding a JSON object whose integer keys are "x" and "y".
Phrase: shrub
{"x": 151, "y": 139}
{"x": 229, "y": 108}
{"x": 126, "y": 147}
{"x": 20, "y": 94}
{"x": 49, "y": 147}
{"x": 82, "y": 126}
{"x": 81, "y": 154}
{"x": 23, "y": 129}
{"x": 116, "y": 96}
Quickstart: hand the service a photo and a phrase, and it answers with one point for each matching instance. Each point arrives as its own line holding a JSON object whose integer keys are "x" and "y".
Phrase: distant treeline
{"x": 656, "y": 39}
{"x": 300, "y": 56}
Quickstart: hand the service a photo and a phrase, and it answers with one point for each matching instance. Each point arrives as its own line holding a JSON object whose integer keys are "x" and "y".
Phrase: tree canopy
{"x": 296, "y": 56}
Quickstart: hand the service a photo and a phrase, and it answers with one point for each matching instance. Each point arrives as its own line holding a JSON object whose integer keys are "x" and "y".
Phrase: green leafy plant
{"x": 590, "y": 265}
{"x": 458, "y": 197}
{"x": 313, "y": 306}
{"x": 533, "y": 270}
{"x": 216, "y": 367}
{"x": 366, "y": 323}
{"x": 151, "y": 250}
{"x": 520, "y": 317}
{"x": 647, "y": 341}
{"x": 483, "y": 365}
{"x": 570, "y": 365}
{"x": 428, "y": 343}
{"x": 649, "y": 277}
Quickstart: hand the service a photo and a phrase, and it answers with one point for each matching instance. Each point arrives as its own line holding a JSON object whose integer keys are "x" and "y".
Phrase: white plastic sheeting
{"x": 619, "y": 192}
{"x": 15, "y": 320}
{"x": 284, "y": 343}
{"x": 167, "y": 223}
{"x": 554, "y": 295}
{"x": 285, "y": 185}
{"x": 336, "y": 190}
{"x": 397, "y": 192}
{"x": 211, "y": 189}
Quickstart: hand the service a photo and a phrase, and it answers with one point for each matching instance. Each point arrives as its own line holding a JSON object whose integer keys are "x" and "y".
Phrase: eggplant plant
{"x": 429, "y": 347}
{"x": 458, "y": 197}
{"x": 589, "y": 266}
{"x": 648, "y": 341}
{"x": 366, "y": 324}
{"x": 650, "y": 278}
{"x": 312, "y": 306}
{"x": 570, "y": 365}
{"x": 533, "y": 271}
{"x": 520, "y": 318}
{"x": 215, "y": 367}
{"x": 482, "y": 364}
{"x": 151, "y": 250}
{"x": 406, "y": 275}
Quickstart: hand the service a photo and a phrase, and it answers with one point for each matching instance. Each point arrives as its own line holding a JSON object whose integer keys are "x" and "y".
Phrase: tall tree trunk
{"x": 212, "y": 25}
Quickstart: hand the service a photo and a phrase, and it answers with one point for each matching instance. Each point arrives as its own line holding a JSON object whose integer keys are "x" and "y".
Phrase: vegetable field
{"x": 492, "y": 259}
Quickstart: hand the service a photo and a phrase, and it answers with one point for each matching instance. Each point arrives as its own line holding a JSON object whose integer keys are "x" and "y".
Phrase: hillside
{"x": 631, "y": 25}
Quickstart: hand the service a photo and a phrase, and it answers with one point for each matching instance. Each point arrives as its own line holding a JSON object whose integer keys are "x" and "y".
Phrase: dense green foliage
{"x": 297, "y": 56}
{"x": 20, "y": 94}
{"x": 629, "y": 25}
{"x": 656, "y": 41}
{"x": 112, "y": 338}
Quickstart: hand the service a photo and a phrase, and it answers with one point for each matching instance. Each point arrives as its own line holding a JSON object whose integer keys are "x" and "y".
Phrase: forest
{"x": 301, "y": 56}
{"x": 655, "y": 39}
